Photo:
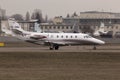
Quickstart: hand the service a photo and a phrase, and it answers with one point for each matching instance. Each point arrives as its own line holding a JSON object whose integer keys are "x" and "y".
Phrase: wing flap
{"x": 58, "y": 43}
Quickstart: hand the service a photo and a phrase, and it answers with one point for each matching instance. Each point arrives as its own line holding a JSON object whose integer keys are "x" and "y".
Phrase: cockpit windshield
{"x": 87, "y": 36}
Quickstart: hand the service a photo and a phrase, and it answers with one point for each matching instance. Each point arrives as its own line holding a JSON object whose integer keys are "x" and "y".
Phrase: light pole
{"x": 0, "y": 25}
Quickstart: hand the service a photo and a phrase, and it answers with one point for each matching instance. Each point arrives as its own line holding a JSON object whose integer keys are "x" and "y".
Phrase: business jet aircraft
{"x": 101, "y": 30}
{"x": 53, "y": 39}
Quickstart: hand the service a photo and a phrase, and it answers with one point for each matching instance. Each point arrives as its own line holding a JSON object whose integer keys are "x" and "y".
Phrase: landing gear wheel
{"x": 56, "y": 47}
{"x": 51, "y": 47}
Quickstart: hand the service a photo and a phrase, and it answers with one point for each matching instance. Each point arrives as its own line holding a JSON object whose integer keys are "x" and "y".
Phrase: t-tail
{"x": 101, "y": 30}
{"x": 76, "y": 28}
{"x": 37, "y": 28}
{"x": 16, "y": 28}
{"x": 102, "y": 27}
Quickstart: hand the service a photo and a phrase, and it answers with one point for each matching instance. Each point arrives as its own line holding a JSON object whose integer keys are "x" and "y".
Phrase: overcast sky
{"x": 59, "y": 7}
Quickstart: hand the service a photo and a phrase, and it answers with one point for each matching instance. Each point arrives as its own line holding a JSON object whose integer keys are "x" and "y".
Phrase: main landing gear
{"x": 54, "y": 47}
{"x": 94, "y": 48}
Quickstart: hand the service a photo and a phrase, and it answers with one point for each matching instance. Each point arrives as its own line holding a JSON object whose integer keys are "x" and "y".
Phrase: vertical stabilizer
{"x": 37, "y": 28}
{"x": 15, "y": 27}
{"x": 102, "y": 27}
{"x": 75, "y": 28}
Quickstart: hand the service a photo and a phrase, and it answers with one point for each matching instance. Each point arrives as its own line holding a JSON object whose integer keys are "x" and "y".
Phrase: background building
{"x": 58, "y": 20}
{"x": 93, "y": 19}
{"x": 56, "y": 27}
{"x": 87, "y": 22}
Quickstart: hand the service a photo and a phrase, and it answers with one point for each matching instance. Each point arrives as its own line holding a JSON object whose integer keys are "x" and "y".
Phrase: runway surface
{"x": 59, "y": 66}
{"x": 67, "y": 63}
{"x": 103, "y": 48}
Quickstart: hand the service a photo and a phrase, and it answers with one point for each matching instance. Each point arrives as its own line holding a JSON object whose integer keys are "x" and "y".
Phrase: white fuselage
{"x": 53, "y": 38}
{"x": 63, "y": 38}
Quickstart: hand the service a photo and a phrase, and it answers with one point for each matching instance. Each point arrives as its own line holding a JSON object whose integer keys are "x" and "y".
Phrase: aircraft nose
{"x": 100, "y": 42}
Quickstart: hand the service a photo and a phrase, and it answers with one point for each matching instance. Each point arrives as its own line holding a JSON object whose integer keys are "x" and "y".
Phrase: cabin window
{"x": 57, "y": 36}
{"x": 61, "y": 36}
{"x": 71, "y": 36}
{"x": 51, "y": 36}
{"x": 66, "y": 36}
{"x": 75, "y": 36}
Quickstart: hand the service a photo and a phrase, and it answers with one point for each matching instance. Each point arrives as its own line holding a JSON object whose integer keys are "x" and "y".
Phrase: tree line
{"x": 36, "y": 15}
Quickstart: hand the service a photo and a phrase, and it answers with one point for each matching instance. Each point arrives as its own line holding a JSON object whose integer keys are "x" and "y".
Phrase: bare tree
{"x": 46, "y": 18}
{"x": 37, "y": 14}
{"x": 68, "y": 15}
{"x": 87, "y": 29}
{"x": 27, "y": 16}
{"x": 18, "y": 17}
{"x": 74, "y": 14}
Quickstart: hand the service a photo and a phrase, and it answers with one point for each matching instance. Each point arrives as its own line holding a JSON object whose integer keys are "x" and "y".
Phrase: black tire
{"x": 56, "y": 47}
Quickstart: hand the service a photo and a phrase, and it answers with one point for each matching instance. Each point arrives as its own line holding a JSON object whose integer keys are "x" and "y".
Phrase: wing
{"x": 37, "y": 37}
{"x": 58, "y": 43}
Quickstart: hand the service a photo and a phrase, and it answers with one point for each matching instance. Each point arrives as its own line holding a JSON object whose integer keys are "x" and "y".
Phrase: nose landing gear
{"x": 94, "y": 48}
{"x": 54, "y": 47}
